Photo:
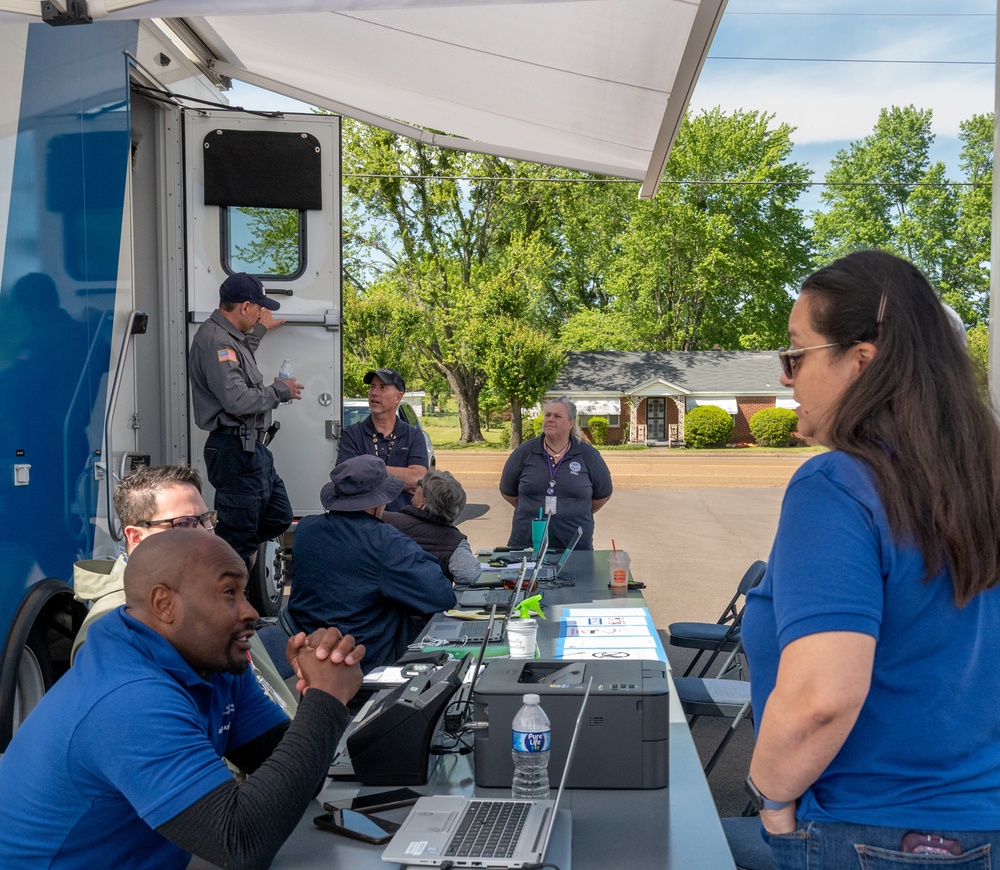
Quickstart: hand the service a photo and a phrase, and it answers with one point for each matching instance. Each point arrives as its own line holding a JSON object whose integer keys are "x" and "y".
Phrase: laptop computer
{"x": 489, "y": 597}
{"x": 549, "y": 572}
{"x": 454, "y": 831}
{"x": 470, "y": 631}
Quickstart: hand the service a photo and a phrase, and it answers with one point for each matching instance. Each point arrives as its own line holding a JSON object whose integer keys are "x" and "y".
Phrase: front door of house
{"x": 656, "y": 419}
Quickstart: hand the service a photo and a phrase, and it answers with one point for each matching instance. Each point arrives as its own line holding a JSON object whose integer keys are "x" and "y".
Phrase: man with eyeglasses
{"x": 148, "y": 501}
{"x": 233, "y": 404}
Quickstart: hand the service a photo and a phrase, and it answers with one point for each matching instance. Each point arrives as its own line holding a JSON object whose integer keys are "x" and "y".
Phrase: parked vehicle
{"x": 357, "y": 409}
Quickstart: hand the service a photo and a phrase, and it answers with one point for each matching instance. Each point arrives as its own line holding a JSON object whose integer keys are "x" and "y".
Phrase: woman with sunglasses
{"x": 873, "y": 639}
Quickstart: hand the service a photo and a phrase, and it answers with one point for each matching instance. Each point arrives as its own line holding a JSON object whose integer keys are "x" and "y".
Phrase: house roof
{"x": 695, "y": 372}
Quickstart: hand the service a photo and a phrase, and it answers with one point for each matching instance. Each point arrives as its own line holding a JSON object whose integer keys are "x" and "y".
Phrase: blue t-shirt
{"x": 405, "y": 446}
{"x": 925, "y": 750}
{"x": 130, "y": 737}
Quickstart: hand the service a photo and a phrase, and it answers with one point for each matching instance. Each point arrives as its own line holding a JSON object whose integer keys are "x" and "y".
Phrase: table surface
{"x": 674, "y": 827}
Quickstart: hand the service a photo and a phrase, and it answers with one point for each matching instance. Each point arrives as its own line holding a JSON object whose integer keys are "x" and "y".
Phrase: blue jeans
{"x": 843, "y": 846}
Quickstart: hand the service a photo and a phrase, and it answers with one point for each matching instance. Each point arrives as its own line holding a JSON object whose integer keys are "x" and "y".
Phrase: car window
{"x": 407, "y": 413}
{"x": 354, "y": 415}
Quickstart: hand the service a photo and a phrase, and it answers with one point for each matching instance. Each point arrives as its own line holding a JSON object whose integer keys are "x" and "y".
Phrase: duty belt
{"x": 236, "y": 430}
{"x": 249, "y": 435}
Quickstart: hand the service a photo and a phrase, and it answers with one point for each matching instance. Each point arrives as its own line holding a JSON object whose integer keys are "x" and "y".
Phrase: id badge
{"x": 550, "y": 504}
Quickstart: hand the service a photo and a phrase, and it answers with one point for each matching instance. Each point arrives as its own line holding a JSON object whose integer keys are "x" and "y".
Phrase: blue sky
{"x": 827, "y": 67}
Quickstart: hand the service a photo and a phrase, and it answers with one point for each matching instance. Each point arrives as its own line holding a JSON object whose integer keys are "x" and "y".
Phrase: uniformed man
{"x": 233, "y": 404}
{"x": 383, "y": 433}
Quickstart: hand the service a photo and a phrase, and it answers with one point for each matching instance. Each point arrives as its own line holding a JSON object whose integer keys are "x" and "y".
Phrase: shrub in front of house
{"x": 538, "y": 422}
{"x": 598, "y": 427}
{"x": 707, "y": 426}
{"x": 529, "y": 428}
{"x": 773, "y": 427}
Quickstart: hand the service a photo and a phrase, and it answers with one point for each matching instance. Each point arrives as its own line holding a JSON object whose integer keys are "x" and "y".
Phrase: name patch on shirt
{"x": 227, "y": 355}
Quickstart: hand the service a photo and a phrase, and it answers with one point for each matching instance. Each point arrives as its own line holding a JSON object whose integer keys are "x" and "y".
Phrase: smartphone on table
{"x": 380, "y": 800}
{"x": 357, "y": 826}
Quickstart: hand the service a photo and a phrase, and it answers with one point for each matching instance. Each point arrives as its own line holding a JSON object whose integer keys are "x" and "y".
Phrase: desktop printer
{"x": 624, "y": 736}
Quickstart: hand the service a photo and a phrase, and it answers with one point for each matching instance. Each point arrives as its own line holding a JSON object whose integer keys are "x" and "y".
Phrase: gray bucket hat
{"x": 358, "y": 484}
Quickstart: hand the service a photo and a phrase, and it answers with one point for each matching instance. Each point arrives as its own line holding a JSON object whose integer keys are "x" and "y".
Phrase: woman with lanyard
{"x": 556, "y": 474}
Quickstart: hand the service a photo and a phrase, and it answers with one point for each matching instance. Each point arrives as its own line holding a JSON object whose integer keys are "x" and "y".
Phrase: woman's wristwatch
{"x": 761, "y": 802}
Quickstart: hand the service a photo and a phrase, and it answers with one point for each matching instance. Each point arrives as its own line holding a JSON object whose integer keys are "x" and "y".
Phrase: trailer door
{"x": 263, "y": 196}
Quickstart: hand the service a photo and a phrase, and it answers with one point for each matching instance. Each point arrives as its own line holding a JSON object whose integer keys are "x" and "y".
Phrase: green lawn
{"x": 444, "y": 433}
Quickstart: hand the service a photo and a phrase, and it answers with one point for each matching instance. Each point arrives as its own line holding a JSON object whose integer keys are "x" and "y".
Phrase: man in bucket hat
{"x": 385, "y": 435}
{"x": 360, "y": 574}
{"x": 233, "y": 404}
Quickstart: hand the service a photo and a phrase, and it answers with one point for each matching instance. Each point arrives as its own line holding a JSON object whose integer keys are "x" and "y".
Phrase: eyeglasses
{"x": 788, "y": 356}
{"x": 206, "y": 521}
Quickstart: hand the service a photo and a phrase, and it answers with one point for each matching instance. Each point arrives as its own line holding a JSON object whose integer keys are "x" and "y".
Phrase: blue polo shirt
{"x": 405, "y": 446}
{"x": 925, "y": 750}
{"x": 130, "y": 737}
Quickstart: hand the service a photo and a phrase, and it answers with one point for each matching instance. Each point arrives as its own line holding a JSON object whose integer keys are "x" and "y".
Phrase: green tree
{"x": 462, "y": 253}
{"x": 972, "y": 240}
{"x": 521, "y": 364}
{"x": 712, "y": 259}
{"x": 376, "y": 326}
{"x": 870, "y": 182}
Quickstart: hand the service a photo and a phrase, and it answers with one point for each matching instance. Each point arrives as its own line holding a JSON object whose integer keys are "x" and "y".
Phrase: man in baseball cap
{"x": 233, "y": 403}
{"x": 383, "y": 433}
{"x": 242, "y": 287}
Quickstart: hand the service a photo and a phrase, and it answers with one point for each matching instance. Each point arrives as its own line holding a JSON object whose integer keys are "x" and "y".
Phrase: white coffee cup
{"x": 521, "y": 635}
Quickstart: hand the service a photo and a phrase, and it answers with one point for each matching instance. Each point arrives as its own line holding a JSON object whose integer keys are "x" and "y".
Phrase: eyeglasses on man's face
{"x": 205, "y": 520}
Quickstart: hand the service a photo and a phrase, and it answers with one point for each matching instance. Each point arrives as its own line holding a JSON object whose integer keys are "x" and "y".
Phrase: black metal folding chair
{"x": 721, "y": 636}
{"x": 717, "y": 696}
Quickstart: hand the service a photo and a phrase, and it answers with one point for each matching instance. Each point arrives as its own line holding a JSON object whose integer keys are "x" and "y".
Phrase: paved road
{"x": 691, "y": 522}
{"x": 648, "y": 469}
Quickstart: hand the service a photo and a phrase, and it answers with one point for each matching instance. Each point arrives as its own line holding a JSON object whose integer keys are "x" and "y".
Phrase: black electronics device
{"x": 357, "y": 826}
{"x": 390, "y": 744}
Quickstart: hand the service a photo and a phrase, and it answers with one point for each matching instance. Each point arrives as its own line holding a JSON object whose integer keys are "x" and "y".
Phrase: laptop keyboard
{"x": 489, "y": 829}
{"x": 476, "y": 630}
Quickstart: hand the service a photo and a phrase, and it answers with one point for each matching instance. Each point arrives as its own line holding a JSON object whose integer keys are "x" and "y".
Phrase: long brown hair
{"x": 914, "y": 415}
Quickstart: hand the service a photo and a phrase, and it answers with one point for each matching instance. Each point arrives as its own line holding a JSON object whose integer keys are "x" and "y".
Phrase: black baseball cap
{"x": 242, "y": 287}
{"x": 387, "y": 376}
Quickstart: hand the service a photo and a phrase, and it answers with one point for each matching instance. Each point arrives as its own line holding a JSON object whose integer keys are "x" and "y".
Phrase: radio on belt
{"x": 624, "y": 736}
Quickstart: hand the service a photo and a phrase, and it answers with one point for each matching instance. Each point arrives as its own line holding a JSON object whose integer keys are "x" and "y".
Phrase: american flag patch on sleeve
{"x": 227, "y": 355}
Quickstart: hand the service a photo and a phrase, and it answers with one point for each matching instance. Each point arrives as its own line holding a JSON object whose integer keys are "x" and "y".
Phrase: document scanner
{"x": 625, "y": 732}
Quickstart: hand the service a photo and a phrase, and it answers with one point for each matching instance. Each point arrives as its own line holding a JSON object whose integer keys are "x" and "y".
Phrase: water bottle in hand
{"x": 285, "y": 373}
{"x": 530, "y": 744}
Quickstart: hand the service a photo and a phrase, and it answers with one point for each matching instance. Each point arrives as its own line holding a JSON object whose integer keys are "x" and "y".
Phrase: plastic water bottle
{"x": 285, "y": 373}
{"x": 530, "y": 744}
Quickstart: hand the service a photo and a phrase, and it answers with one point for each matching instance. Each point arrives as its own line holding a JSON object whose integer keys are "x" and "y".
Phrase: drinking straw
{"x": 614, "y": 549}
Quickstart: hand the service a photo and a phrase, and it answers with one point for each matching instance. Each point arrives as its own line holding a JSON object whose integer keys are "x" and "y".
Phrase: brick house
{"x": 645, "y": 395}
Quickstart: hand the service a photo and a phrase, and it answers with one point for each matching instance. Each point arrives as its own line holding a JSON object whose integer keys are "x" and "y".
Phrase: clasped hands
{"x": 326, "y": 660}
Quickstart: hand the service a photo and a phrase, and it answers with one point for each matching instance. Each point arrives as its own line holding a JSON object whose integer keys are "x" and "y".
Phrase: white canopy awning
{"x": 728, "y": 404}
{"x": 590, "y": 407}
{"x": 595, "y": 85}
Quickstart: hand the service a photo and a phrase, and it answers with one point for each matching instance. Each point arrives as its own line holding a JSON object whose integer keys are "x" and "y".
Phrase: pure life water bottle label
{"x": 530, "y": 741}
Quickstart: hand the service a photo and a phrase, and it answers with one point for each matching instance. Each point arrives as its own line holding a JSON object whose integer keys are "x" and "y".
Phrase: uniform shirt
{"x": 582, "y": 477}
{"x": 366, "y": 578}
{"x": 925, "y": 750}
{"x": 405, "y": 446}
{"x": 227, "y": 388}
{"x": 111, "y": 753}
